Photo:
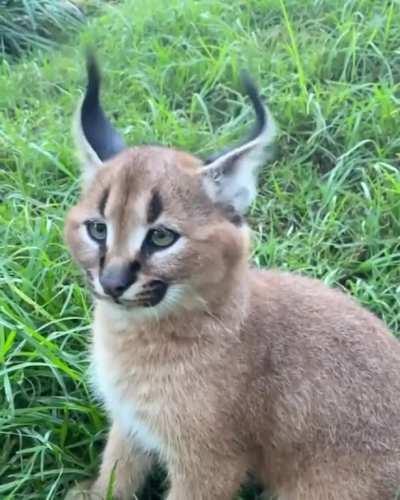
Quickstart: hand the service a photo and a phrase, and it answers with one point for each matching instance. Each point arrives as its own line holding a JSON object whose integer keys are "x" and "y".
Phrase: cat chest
{"x": 134, "y": 404}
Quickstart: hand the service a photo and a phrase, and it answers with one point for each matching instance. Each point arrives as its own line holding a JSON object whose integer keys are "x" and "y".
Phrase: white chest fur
{"x": 125, "y": 398}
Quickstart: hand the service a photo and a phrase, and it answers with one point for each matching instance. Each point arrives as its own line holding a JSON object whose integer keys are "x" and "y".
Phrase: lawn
{"x": 329, "y": 204}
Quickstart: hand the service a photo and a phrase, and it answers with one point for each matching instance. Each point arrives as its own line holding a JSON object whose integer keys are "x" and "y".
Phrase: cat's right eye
{"x": 97, "y": 230}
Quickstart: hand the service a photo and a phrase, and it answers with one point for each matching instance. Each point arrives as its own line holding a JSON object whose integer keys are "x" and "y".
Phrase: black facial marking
{"x": 158, "y": 290}
{"x": 155, "y": 208}
{"x": 230, "y": 213}
{"x": 135, "y": 267}
{"x": 101, "y": 262}
{"x": 103, "y": 201}
{"x": 236, "y": 219}
{"x": 102, "y": 258}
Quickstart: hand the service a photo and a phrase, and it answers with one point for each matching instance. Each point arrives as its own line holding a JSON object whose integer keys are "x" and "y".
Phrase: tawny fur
{"x": 246, "y": 371}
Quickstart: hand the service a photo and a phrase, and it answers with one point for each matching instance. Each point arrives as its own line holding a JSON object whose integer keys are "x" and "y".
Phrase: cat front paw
{"x": 83, "y": 491}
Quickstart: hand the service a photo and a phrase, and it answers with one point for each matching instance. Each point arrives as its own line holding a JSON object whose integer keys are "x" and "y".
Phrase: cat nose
{"x": 116, "y": 278}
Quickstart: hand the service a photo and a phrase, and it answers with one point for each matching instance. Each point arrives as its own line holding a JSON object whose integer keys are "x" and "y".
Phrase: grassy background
{"x": 25, "y": 24}
{"x": 329, "y": 206}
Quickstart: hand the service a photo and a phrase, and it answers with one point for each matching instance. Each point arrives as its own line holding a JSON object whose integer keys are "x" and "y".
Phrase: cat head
{"x": 157, "y": 228}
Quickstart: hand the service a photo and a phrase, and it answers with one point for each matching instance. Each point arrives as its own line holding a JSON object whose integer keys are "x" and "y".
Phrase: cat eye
{"x": 97, "y": 230}
{"x": 161, "y": 237}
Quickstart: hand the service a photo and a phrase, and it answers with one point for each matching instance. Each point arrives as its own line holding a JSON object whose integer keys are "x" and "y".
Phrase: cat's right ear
{"x": 96, "y": 139}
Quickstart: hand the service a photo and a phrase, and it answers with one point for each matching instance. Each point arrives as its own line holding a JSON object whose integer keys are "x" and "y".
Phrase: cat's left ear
{"x": 231, "y": 178}
{"x": 96, "y": 139}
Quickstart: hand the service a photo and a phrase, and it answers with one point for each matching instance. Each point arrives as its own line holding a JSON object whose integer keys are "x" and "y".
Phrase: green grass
{"x": 329, "y": 206}
{"x": 28, "y": 24}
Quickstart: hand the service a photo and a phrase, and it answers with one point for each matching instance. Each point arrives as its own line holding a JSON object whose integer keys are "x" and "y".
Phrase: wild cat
{"x": 214, "y": 367}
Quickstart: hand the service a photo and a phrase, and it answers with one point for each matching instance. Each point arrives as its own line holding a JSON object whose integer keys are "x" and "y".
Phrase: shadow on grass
{"x": 156, "y": 487}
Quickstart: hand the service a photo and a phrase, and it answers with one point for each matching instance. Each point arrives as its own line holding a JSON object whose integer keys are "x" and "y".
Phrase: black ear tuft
{"x": 97, "y": 129}
{"x": 251, "y": 90}
{"x": 230, "y": 177}
{"x": 260, "y": 125}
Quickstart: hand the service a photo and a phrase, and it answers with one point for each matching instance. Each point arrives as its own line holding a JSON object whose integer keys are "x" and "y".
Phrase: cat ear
{"x": 230, "y": 178}
{"x": 96, "y": 139}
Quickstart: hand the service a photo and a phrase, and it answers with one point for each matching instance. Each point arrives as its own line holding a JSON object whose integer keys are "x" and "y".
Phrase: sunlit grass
{"x": 30, "y": 24}
{"x": 329, "y": 205}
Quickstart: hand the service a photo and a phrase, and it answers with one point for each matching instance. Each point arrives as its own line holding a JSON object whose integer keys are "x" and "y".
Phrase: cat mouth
{"x": 151, "y": 295}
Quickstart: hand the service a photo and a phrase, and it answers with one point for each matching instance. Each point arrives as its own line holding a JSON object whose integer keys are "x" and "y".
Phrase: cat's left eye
{"x": 161, "y": 237}
{"x": 97, "y": 230}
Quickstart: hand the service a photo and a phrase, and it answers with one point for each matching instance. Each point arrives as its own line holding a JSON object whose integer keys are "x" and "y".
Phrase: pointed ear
{"x": 95, "y": 137}
{"x": 231, "y": 177}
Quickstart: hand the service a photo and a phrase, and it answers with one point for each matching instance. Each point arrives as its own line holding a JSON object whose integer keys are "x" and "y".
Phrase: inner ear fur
{"x": 230, "y": 178}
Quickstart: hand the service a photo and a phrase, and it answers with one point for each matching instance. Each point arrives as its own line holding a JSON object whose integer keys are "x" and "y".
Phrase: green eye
{"x": 162, "y": 237}
{"x": 97, "y": 230}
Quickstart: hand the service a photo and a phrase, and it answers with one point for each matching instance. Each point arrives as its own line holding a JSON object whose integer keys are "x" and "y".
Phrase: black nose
{"x": 115, "y": 279}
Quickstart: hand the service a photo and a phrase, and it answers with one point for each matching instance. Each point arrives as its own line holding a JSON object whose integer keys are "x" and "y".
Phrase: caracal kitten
{"x": 215, "y": 368}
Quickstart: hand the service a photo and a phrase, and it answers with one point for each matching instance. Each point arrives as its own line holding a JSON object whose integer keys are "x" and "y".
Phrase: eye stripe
{"x": 155, "y": 208}
{"x": 102, "y": 259}
{"x": 103, "y": 201}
